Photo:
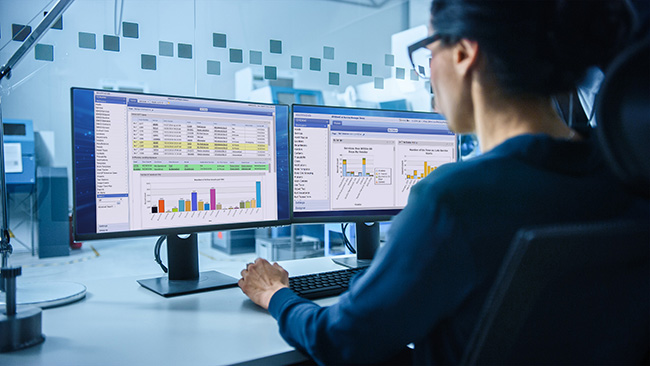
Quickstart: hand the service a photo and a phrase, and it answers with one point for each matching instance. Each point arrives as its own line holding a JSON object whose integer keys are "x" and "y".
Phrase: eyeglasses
{"x": 420, "y": 56}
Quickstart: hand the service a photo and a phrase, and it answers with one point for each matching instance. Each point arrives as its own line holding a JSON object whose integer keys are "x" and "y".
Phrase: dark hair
{"x": 537, "y": 47}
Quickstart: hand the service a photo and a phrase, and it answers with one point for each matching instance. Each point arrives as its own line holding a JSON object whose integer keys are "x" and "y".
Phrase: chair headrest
{"x": 623, "y": 115}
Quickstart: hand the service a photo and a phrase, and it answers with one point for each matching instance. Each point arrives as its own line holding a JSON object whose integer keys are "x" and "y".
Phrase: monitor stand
{"x": 367, "y": 234}
{"x": 184, "y": 277}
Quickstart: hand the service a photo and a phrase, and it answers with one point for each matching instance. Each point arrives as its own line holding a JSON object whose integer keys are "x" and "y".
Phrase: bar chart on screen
{"x": 200, "y": 199}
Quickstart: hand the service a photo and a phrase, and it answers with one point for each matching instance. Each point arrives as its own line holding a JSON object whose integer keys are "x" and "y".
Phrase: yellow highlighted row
{"x": 141, "y": 144}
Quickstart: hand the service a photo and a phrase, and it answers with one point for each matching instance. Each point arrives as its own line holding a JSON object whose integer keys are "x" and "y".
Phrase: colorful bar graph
{"x": 352, "y": 173}
{"x": 194, "y": 204}
{"x": 426, "y": 171}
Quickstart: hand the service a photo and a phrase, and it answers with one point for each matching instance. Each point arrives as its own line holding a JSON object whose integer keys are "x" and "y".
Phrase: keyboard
{"x": 324, "y": 284}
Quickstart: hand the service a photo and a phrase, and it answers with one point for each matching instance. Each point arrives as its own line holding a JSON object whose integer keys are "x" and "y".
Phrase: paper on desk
{"x": 13, "y": 157}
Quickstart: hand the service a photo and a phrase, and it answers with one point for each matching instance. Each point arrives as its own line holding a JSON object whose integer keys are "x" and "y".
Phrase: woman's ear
{"x": 465, "y": 55}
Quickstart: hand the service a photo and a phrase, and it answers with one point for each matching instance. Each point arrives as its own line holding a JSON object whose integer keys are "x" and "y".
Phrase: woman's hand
{"x": 260, "y": 280}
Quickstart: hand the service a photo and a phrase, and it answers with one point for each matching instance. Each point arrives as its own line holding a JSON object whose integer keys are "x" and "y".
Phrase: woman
{"x": 494, "y": 66}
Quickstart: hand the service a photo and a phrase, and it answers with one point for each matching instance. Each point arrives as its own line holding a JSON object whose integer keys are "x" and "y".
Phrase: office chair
{"x": 580, "y": 294}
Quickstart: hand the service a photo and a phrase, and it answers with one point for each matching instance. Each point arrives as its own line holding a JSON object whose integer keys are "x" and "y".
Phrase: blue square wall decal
{"x": 130, "y": 30}
{"x": 334, "y": 78}
{"x": 255, "y": 57}
{"x": 44, "y": 52}
{"x": 414, "y": 75}
{"x": 275, "y": 46}
{"x": 148, "y": 62}
{"x": 314, "y": 64}
{"x": 166, "y": 48}
{"x": 236, "y": 55}
{"x": 214, "y": 67}
{"x": 87, "y": 40}
{"x": 184, "y": 50}
{"x": 270, "y": 73}
{"x": 328, "y": 53}
{"x": 111, "y": 43}
{"x": 366, "y": 70}
{"x": 219, "y": 40}
{"x": 296, "y": 62}
{"x": 352, "y": 68}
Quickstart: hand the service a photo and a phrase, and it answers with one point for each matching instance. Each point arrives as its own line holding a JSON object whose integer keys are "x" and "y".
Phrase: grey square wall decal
{"x": 219, "y": 40}
{"x": 214, "y": 67}
{"x": 87, "y": 40}
{"x": 184, "y": 50}
{"x": 111, "y": 43}
{"x": 255, "y": 57}
{"x": 148, "y": 62}
{"x": 334, "y": 78}
{"x": 44, "y": 52}
{"x": 20, "y": 32}
{"x": 328, "y": 53}
{"x": 314, "y": 64}
{"x": 130, "y": 30}
{"x": 389, "y": 60}
{"x": 166, "y": 48}
{"x": 352, "y": 68}
{"x": 414, "y": 75}
{"x": 236, "y": 55}
{"x": 379, "y": 83}
{"x": 58, "y": 24}
{"x": 270, "y": 73}
{"x": 400, "y": 73}
{"x": 296, "y": 62}
{"x": 366, "y": 70}
{"x": 275, "y": 46}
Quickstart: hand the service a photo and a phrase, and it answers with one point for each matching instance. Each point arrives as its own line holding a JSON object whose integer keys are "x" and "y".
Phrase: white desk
{"x": 121, "y": 323}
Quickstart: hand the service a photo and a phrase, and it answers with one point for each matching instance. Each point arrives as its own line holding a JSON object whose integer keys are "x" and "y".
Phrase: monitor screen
{"x": 354, "y": 164}
{"x": 148, "y": 164}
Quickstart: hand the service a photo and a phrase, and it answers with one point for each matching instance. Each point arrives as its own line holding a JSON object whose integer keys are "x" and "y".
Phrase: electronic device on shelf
{"x": 146, "y": 164}
{"x": 325, "y": 284}
{"x": 358, "y": 165}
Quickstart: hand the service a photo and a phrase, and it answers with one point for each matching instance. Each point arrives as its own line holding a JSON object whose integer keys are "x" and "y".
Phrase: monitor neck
{"x": 367, "y": 238}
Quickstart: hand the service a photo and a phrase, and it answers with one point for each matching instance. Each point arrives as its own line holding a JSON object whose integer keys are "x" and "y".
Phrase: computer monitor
{"x": 358, "y": 165}
{"x": 146, "y": 164}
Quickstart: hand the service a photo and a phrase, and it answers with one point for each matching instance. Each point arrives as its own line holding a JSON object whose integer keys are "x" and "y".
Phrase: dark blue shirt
{"x": 428, "y": 283}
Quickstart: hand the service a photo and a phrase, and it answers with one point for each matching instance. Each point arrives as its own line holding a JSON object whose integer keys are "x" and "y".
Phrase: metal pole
{"x": 5, "y": 247}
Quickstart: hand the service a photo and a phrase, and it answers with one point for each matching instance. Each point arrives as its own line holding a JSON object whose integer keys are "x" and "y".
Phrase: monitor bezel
{"x": 381, "y": 215}
{"x": 184, "y": 229}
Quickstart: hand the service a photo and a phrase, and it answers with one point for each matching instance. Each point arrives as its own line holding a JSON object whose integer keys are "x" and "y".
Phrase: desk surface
{"x": 121, "y": 323}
